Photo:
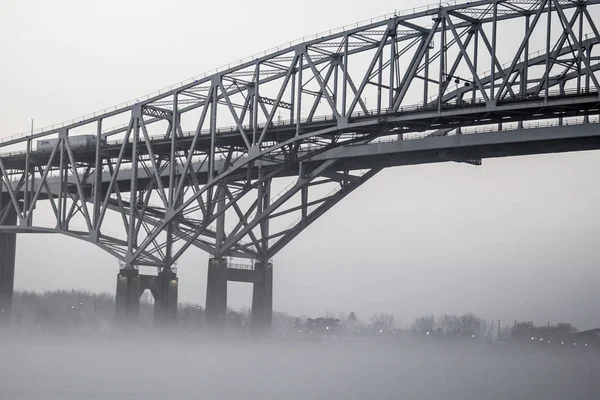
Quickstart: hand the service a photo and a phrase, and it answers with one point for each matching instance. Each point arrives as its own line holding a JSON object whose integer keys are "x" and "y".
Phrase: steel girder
{"x": 190, "y": 180}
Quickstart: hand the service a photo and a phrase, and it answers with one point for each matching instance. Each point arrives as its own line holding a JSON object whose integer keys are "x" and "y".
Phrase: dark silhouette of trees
{"x": 383, "y": 322}
{"x": 424, "y": 325}
{"x": 323, "y": 326}
{"x": 466, "y": 325}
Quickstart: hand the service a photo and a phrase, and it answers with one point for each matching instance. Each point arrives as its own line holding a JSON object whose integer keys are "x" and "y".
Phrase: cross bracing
{"x": 200, "y": 165}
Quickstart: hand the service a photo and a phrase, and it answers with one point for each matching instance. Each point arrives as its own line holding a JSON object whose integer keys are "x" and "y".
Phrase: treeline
{"x": 466, "y": 325}
{"x": 80, "y": 309}
{"x": 62, "y": 308}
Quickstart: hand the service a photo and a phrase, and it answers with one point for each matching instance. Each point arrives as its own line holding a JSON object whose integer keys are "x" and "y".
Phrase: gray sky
{"x": 516, "y": 238}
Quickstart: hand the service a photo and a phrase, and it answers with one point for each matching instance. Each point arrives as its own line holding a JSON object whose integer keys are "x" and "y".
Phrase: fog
{"x": 182, "y": 366}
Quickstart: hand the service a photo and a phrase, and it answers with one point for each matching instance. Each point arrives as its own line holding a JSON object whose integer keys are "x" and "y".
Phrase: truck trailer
{"x": 74, "y": 142}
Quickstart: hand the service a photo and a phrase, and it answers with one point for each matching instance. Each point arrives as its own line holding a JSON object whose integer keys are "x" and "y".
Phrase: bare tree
{"x": 383, "y": 321}
{"x": 424, "y": 324}
{"x": 448, "y": 323}
{"x": 471, "y": 323}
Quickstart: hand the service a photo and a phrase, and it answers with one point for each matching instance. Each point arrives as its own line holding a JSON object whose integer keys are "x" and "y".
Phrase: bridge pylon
{"x": 130, "y": 286}
{"x": 8, "y": 246}
{"x": 262, "y": 300}
{"x": 165, "y": 298}
{"x": 127, "y": 298}
{"x": 216, "y": 294}
{"x": 259, "y": 274}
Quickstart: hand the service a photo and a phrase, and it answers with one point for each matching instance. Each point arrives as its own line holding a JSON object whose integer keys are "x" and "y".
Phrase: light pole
{"x": 31, "y": 120}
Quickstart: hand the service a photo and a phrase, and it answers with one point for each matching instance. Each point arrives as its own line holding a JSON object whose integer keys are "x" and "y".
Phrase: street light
{"x": 31, "y": 120}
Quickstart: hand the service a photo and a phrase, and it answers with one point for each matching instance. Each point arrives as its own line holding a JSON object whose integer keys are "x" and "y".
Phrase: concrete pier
{"x": 262, "y": 300}
{"x": 127, "y": 299}
{"x": 216, "y": 293}
{"x": 165, "y": 298}
{"x": 260, "y": 276}
{"x": 8, "y": 247}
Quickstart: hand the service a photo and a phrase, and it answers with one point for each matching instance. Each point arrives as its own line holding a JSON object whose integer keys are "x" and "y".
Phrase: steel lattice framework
{"x": 191, "y": 182}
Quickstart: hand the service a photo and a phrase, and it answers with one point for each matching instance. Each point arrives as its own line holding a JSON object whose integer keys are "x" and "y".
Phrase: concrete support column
{"x": 216, "y": 293}
{"x": 8, "y": 247}
{"x": 127, "y": 299}
{"x": 262, "y": 301}
{"x": 165, "y": 298}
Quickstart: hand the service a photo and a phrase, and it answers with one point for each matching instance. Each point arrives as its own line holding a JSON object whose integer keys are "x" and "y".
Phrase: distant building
{"x": 352, "y": 325}
{"x": 590, "y": 337}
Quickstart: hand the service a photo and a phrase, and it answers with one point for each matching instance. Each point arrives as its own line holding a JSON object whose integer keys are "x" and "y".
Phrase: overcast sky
{"x": 516, "y": 238}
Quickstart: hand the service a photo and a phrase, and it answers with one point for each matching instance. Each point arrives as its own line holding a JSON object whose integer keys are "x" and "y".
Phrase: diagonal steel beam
{"x": 319, "y": 211}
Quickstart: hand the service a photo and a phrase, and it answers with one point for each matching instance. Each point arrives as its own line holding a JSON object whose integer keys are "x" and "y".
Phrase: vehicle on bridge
{"x": 74, "y": 141}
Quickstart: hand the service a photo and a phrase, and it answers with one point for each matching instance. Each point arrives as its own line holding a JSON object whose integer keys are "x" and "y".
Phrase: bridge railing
{"x": 431, "y": 104}
{"x": 392, "y": 137}
{"x": 248, "y": 267}
{"x": 358, "y": 114}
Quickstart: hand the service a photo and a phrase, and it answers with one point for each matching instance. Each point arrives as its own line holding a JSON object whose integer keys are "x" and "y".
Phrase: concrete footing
{"x": 8, "y": 247}
{"x": 127, "y": 299}
{"x": 216, "y": 293}
{"x": 262, "y": 301}
{"x": 262, "y": 295}
{"x": 165, "y": 298}
{"x": 131, "y": 285}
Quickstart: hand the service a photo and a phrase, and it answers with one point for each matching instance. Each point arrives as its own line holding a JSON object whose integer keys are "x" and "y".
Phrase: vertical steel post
{"x": 28, "y": 180}
{"x": 292, "y": 96}
{"x": 172, "y": 158}
{"x": 392, "y": 69}
{"x": 255, "y": 104}
{"x": 379, "y": 82}
{"x": 61, "y": 182}
{"x": 299, "y": 96}
{"x": 426, "y": 76}
{"x": 493, "y": 58}
{"x": 303, "y": 191}
{"x": 98, "y": 176}
{"x": 213, "y": 140}
{"x": 525, "y": 74}
{"x": 583, "y": 48}
{"x": 172, "y": 173}
{"x": 442, "y": 61}
{"x": 345, "y": 78}
{"x": 335, "y": 84}
{"x": 548, "y": 32}
{"x": 131, "y": 239}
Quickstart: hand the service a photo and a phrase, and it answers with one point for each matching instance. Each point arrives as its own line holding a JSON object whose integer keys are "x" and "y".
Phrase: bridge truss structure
{"x": 199, "y": 164}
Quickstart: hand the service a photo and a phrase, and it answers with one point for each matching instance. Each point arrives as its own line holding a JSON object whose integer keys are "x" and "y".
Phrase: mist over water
{"x": 158, "y": 365}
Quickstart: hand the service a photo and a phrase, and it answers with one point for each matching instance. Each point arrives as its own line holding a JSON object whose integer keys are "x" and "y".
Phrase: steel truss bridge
{"x": 199, "y": 164}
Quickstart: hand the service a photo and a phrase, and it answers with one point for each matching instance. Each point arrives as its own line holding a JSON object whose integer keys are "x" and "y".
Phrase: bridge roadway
{"x": 416, "y": 148}
{"x": 539, "y": 138}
